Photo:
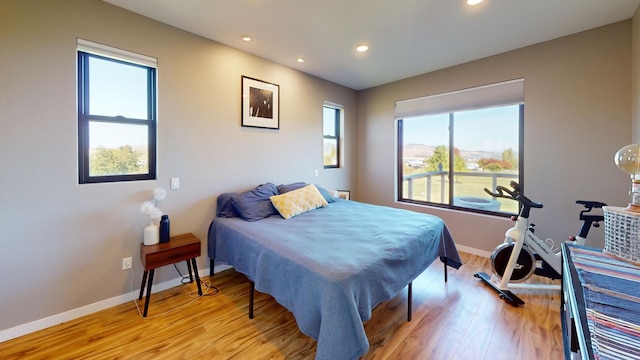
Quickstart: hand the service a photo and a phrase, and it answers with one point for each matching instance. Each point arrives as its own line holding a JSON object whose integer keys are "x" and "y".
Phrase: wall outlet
{"x": 126, "y": 263}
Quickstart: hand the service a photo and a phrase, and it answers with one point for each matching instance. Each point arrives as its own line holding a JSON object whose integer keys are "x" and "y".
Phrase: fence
{"x": 410, "y": 179}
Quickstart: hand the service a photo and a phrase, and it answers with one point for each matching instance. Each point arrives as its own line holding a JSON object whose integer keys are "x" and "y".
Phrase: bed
{"x": 331, "y": 265}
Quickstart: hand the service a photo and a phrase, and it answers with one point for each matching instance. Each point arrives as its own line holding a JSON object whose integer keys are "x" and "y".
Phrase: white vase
{"x": 151, "y": 234}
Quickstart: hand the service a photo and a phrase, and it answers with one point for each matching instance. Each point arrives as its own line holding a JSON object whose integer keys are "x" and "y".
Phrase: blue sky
{"x": 117, "y": 90}
{"x": 493, "y": 129}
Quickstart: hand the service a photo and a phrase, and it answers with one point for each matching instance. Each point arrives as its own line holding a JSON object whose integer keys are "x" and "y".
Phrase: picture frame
{"x": 344, "y": 194}
{"x": 260, "y": 104}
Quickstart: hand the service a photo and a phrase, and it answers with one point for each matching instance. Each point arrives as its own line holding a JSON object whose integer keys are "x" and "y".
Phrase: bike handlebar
{"x": 500, "y": 189}
{"x": 514, "y": 194}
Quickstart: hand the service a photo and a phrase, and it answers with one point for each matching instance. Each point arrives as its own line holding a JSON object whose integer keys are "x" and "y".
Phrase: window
{"x": 331, "y": 123}
{"x": 451, "y": 146}
{"x": 116, "y": 114}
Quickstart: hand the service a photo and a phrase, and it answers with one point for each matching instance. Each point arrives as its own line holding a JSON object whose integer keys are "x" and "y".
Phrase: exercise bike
{"x": 523, "y": 254}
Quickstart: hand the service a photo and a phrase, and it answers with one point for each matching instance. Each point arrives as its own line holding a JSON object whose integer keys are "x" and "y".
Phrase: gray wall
{"x": 62, "y": 243}
{"x": 635, "y": 77}
{"x": 577, "y": 115}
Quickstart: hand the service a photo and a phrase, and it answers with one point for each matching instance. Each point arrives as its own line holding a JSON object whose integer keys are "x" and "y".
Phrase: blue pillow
{"x": 297, "y": 185}
{"x": 255, "y": 204}
{"x": 290, "y": 187}
{"x": 224, "y": 208}
{"x": 325, "y": 194}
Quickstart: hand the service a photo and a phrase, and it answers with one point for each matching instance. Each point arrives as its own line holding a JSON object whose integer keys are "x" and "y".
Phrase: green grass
{"x": 472, "y": 186}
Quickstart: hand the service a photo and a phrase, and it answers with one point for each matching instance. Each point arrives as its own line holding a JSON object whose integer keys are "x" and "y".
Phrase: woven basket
{"x": 621, "y": 234}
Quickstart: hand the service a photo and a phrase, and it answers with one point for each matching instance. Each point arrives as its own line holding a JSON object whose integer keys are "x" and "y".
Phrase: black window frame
{"x": 451, "y": 180}
{"x": 336, "y": 137}
{"x": 85, "y": 118}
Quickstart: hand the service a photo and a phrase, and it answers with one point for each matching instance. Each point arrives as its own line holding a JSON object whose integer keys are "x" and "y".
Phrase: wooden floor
{"x": 460, "y": 319}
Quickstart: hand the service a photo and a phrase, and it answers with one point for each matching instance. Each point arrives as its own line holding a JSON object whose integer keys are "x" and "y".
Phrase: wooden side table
{"x": 179, "y": 248}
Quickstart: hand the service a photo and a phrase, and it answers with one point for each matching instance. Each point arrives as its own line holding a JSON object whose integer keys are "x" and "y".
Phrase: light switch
{"x": 175, "y": 183}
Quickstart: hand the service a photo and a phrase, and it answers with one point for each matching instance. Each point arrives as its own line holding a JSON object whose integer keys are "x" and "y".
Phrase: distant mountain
{"x": 421, "y": 151}
{"x": 418, "y": 151}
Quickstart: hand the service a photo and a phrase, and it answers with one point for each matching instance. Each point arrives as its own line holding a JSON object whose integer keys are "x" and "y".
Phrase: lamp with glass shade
{"x": 628, "y": 160}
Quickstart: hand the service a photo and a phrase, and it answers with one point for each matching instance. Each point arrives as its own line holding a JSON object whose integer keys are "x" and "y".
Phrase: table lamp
{"x": 628, "y": 160}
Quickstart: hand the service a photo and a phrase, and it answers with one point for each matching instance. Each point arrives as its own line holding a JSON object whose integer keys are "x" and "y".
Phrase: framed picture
{"x": 260, "y": 104}
{"x": 344, "y": 194}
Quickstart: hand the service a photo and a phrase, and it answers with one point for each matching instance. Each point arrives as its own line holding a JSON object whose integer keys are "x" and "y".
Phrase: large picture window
{"x": 451, "y": 146}
{"x": 116, "y": 114}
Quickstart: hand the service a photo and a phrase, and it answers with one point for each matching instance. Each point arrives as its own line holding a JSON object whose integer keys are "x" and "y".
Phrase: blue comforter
{"x": 331, "y": 266}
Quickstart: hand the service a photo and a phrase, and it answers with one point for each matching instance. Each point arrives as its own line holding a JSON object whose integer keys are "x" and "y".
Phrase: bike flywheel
{"x": 524, "y": 268}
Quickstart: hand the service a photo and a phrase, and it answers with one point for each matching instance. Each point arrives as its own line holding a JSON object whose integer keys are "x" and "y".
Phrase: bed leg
{"x": 252, "y": 287}
{"x": 445, "y": 271}
{"x": 211, "y": 263}
{"x": 409, "y": 301}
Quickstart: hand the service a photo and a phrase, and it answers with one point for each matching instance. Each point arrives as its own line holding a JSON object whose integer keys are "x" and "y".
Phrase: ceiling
{"x": 405, "y": 37}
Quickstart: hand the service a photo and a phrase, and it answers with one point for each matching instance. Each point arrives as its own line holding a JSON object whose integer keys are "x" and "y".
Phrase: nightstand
{"x": 179, "y": 248}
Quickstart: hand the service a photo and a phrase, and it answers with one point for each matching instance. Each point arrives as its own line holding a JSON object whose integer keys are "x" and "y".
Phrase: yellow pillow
{"x": 298, "y": 201}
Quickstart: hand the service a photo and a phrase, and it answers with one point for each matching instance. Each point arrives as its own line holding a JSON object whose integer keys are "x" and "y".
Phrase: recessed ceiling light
{"x": 246, "y": 38}
{"x": 300, "y": 60}
{"x": 473, "y": 2}
{"x": 362, "y": 48}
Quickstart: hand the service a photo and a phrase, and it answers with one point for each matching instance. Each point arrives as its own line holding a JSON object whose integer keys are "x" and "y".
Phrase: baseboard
{"x": 470, "y": 250}
{"x": 57, "y": 319}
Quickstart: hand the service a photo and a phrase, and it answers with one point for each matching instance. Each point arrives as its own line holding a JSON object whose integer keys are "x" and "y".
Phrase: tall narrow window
{"x": 452, "y": 146}
{"x": 331, "y": 121}
{"x": 116, "y": 114}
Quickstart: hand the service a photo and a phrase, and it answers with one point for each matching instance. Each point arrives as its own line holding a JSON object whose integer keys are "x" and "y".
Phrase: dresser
{"x": 600, "y": 305}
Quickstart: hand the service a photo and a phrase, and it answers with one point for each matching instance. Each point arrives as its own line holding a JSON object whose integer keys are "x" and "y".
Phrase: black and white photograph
{"x": 260, "y": 104}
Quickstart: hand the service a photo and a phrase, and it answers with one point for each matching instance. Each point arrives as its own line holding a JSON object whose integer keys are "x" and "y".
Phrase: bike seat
{"x": 591, "y": 204}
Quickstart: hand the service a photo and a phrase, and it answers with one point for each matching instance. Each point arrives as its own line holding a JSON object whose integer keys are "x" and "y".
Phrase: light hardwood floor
{"x": 460, "y": 319}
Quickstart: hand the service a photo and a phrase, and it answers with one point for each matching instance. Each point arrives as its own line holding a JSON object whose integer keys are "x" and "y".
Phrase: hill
{"x": 421, "y": 151}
